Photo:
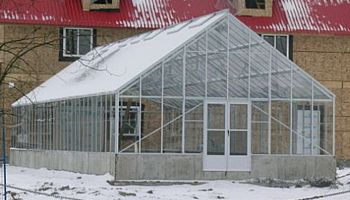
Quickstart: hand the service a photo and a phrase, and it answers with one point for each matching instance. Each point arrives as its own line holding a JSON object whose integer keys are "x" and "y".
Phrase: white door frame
{"x": 227, "y": 162}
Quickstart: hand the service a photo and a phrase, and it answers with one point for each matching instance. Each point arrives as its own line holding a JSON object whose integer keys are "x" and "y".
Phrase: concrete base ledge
{"x": 73, "y": 161}
{"x": 173, "y": 166}
{"x": 189, "y": 167}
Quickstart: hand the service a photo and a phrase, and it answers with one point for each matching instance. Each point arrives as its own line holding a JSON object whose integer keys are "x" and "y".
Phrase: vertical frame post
{"x": 228, "y": 58}
{"x": 206, "y": 66}
{"x": 116, "y": 120}
{"x": 162, "y": 112}
{"x": 333, "y": 142}
{"x": 269, "y": 101}
{"x": 291, "y": 111}
{"x": 139, "y": 116}
{"x": 312, "y": 118}
{"x": 183, "y": 99}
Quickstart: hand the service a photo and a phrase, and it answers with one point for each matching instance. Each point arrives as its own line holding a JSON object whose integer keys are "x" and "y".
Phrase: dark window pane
{"x": 84, "y": 41}
{"x": 71, "y": 41}
{"x": 102, "y": 1}
{"x": 255, "y": 4}
{"x": 269, "y": 39}
{"x": 281, "y": 44}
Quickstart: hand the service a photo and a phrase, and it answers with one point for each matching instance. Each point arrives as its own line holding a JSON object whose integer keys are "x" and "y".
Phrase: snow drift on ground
{"x": 81, "y": 186}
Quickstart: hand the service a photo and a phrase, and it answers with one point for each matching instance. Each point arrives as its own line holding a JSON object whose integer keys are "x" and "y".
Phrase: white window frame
{"x": 134, "y": 109}
{"x": 274, "y": 41}
{"x": 65, "y": 36}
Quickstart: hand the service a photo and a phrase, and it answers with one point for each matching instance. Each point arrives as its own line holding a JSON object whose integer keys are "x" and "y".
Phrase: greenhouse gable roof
{"x": 218, "y": 39}
{"x": 107, "y": 68}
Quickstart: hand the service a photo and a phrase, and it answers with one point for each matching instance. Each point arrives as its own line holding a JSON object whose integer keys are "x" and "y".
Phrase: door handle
{"x": 228, "y": 132}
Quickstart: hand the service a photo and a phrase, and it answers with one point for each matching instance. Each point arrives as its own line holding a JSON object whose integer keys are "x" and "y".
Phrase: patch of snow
{"x": 82, "y": 186}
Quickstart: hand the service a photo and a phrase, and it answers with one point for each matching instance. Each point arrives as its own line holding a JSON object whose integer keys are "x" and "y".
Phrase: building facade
{"x": 319, "y": 43}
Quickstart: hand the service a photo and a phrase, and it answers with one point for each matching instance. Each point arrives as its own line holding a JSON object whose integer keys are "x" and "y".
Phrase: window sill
{"x": 68, "y": 58}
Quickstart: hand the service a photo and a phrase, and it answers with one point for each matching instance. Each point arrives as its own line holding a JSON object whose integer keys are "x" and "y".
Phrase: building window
{"x": 104, "y": 5}
{"x": 129, "y": 118}
{"x": 76, "y": 42}
{"x": 255, "y": 4}
{"x": 101, "y": 1}
{"x": 282, "y": 43}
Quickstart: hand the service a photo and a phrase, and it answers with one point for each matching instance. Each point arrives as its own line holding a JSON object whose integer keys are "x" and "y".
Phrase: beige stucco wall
{"x": 327, "y": 58}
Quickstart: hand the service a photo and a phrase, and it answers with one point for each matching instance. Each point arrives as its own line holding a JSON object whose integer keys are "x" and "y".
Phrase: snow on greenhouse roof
{"x": 107, "y": 68}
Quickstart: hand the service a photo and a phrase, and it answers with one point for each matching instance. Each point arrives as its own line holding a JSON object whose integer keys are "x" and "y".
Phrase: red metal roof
{"x": 289, "y": 16}
{"x": 304, "y": 16}
{"x": 132, "y": 14}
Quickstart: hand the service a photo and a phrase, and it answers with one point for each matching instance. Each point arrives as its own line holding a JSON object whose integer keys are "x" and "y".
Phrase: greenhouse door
{"x": 227, "y": 136}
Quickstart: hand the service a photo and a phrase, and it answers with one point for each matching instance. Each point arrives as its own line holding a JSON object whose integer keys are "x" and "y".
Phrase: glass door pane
{"x": 216, "y": 143}
{"x": 238, "y": 116}
{"x": 216, "y": 116}
{"x": 216, "y": 129}
{"x": 238, "y": 129}
{"x": 238, "y": 143}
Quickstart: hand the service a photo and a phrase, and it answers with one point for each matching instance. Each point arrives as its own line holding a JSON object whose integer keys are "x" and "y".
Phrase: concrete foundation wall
{"x": 189, "y": 167}
{"x": 73, "y": 161}
{"x": 172, "y": 167}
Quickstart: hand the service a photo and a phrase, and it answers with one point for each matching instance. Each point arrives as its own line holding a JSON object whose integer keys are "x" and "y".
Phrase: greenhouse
{"x": 204, "y": 99}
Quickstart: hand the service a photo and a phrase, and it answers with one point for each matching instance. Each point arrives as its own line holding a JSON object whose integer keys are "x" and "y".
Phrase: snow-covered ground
{"x": 81, "y": 186}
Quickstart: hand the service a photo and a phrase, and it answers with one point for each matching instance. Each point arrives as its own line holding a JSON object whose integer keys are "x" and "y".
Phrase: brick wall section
{"x": 327, "y": 58}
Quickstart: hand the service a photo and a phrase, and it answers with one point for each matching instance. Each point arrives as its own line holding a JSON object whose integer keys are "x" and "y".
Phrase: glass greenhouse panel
{"x": 217, "y": 75}
{"x": 319, "y": 93}
{"x": 259, "y": 127}
{"x": 194, "y": 126}
{"x": 238, "y": 36}
{"x": 280, "y": 127}
{"x": 195, "y": 74}
{"x": 132, "y": 90}
{"x": 150, "y": 124}
{"x": 152, "y": 82}
{"x": 198, "y": 45}
{"x": 217, "y": 38}
{"x": 280, "y": 77}
{"x": 302, "y": 131}
{"x": 129, "y": 122}
{"x": 173, "y": 75}
{"x": 238, "y": 73}
{"x": 302, "y": 86}
{"x": 172, "y": 125}
{"x": 259, "y": 70}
